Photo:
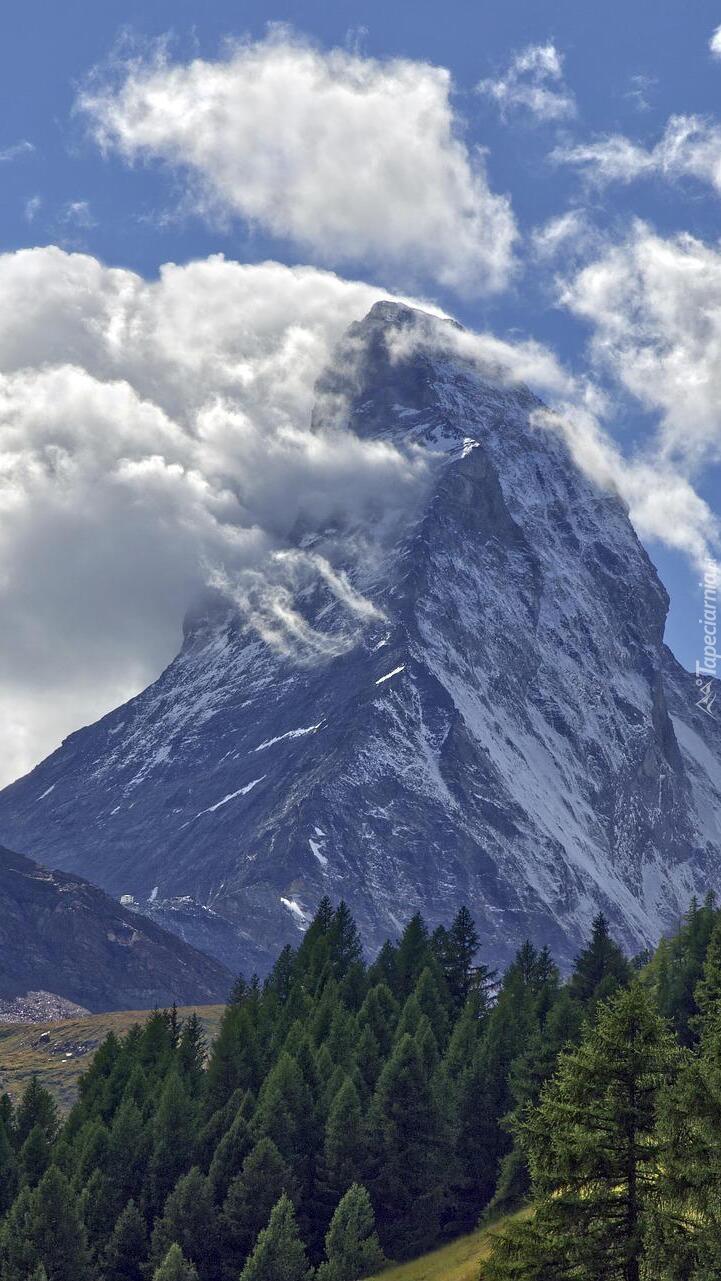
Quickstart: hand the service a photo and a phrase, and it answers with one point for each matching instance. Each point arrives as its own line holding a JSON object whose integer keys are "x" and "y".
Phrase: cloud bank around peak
{"x": 153, "y": 434}
{"x": 351, "y": 159}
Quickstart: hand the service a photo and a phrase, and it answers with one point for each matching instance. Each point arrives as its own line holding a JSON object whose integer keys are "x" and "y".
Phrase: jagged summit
{"x": 504, "y": 727}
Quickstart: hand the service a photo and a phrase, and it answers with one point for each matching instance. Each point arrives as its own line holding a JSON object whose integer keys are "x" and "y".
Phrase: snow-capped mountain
{"x": 482, "y": 711}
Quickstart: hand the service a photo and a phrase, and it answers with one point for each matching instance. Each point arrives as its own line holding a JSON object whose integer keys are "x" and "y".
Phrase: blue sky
{"x": 621, "y": 70}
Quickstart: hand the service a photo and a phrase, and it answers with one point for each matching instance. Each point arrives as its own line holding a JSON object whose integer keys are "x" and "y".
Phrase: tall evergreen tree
{"x": 37, "y": 1108}
{"x": 413, "y": 955}
{"x": 189, "y": 1220}
{"x": 264, "y": 1179}
{"x": 279, "y": 1254}
{"x": 173, "y": 1135}
{"x": 595, "y": 1153}
{"x": 56, "y": 1230}
{"x": 601, "y": 967}
{"x": 125, "y": 1254}
{"x": 175, "y": 1267}
{"x": 406, "y": 1134}
{"x": 352, "y": 1246}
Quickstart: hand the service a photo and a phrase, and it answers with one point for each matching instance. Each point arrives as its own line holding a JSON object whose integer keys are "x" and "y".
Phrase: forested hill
{"x": 349, "y": 1114}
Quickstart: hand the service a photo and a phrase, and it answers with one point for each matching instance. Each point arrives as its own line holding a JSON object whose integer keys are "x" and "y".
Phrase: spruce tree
{"x": 379, "y": 1013}
{"x": 286, "y": 1114}
{"x": 173, "y": 1135}
{"x": 345, "y": 1154}
{"x": 175, "y": 1267}
{"x": 595, "y": 1153}
{"x": 8, "y": 1169}
{"x": 188, "y": 1220}
{"x": 413, "y": 955}
{"x": 18, "y": 1249}
{"x": 457, "y": 955}
{"x": 344, "y": 942}
{"x": 279, "y": 1254}
{"x": 352, "y": 1246}
{"x": 229, "y": 1156}
{"x": 264, "y": 1179}
{"x": 192, "y": 1053}
{"x": 406, "y": 1136}
{"x": 37, "y": 1108}
{"x": 56, "y": 1230}
{"x": 126, "y": 1251}
{"x": 601, "y": 967}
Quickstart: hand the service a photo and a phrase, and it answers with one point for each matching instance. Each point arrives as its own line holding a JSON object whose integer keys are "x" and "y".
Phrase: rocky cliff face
{"x": 63, "y": 938}
{"x": 507, "y": 728}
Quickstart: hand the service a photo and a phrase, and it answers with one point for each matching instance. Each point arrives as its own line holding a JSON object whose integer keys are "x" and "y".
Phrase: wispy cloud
{"x": 33, "y": 206}
{"x": 22, "y": 148}
{"x": 690, "y": 146}
{"x": 533, "y": 84}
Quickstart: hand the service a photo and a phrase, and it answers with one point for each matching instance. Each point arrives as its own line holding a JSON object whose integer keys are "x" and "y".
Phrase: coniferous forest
{"x": 350, "y": 1114}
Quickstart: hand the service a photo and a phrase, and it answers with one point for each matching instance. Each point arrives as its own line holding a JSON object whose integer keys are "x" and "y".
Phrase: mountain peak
{"x": 507, "y": 731}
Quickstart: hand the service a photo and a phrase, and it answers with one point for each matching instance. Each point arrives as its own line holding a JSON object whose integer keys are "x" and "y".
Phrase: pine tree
{"x": 264, "y": 1179}
{"x": 406, "y": 1134}
{"x": 192, "y": 1053}
{"x": 601, "y": 967}
{"x": 459, "y": 946}
{"x": 8, "y": 1168}
{"x": 286, "y": 1114}
{"x": 175, "y": 1267}
{"x": 19, "y": 1252}
{"x": 229, "y": 1156}
{"x": 345, "y": 1154}
{"x": 368, "y": 1063}
{"x": 128, "y": 1151}
{"x": 236, "y": 1059}
{"x": 379, "y": 1013}
{"x": 279, "y": 1254}
{"x": 56, "y": 1230}
{"x": 124, "y": 1256}
{"x": 413, "y": 955}
{"x": 37, "y": 1107}
{"x": 188, "y": 1220}
{"x": 173, "y": 1135}
{"x": 595, "y": 1153}
{"x": 344, "y": 942}
{"x": 352, "y": 1246}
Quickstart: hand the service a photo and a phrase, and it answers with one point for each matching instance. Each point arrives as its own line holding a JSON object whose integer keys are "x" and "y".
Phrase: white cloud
{"x": 714, "y": 43}
{"x": 350, "y": 158}
{"x": 33, "y": 206}
{"x": 655, "y": 308}
{"x": 690, "y": 147}
{"x": 79, "y": 213}
{"x": 570, "y": 232}
{"x": 153, "y": 434}
{"x": 22, "y": 148}
{"x": 654, "y": 305}
{"x": 532, "y": 83}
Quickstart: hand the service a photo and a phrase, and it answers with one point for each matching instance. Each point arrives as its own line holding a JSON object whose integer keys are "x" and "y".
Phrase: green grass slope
{"x": 59, "y": 1052}
{"x": 460, "y": 1260}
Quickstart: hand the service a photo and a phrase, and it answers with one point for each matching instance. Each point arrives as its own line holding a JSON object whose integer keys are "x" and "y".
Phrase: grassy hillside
{"x": 59, "y": 1052}
{"x": 458, "y": 1261}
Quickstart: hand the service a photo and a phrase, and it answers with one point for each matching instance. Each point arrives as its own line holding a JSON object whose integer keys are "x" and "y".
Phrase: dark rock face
{"x": 60, "y": 935}
{"x": 507, "y": 730}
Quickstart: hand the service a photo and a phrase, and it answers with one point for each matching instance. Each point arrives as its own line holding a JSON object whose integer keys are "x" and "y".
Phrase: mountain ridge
{"x": 61, "y": 935}
{"x": 494, "y": 729}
